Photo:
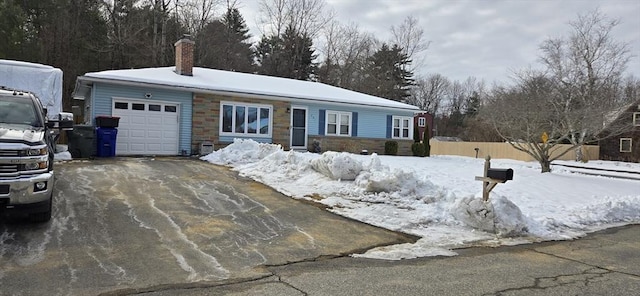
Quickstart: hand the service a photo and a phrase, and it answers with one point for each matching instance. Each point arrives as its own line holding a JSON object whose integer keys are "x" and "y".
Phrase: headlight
{"x": 36, "y": 166}
{"x": 36, "y": 152}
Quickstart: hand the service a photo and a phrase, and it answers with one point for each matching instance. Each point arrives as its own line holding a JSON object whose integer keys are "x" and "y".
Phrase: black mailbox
{"x": 500, "y": 174}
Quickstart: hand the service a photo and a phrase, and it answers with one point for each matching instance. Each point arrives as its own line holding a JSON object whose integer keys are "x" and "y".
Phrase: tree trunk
{"x": 579, "y": 155}
{"x": 545, "y": 165}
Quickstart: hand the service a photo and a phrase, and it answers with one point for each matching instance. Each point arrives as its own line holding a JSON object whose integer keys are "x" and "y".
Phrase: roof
{"x": 211, "y": 80}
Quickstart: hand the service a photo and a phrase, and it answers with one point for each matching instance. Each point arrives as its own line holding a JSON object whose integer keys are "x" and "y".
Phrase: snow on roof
{"x": 252, "y": 84}
{"x": 24, "y": 64}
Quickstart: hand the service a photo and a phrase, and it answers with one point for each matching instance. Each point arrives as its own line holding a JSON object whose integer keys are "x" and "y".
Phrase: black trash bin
{"x": 107, "y": 141}
{"x": 107, "y": 121}
{"x": 82, "y": 141}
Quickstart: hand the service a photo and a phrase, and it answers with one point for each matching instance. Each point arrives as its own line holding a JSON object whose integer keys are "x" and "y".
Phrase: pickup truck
{"x": 27, "y": 147}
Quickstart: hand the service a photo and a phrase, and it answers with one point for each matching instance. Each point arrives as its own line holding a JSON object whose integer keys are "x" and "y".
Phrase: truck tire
{"x": 45, "y": 216}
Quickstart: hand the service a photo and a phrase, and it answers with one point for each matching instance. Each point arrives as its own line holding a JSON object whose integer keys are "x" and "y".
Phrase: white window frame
{"x": 422, "y": 122}
{"x": 338, "y": 123}
{"x": 636, "y": 118}
{"x": 246, "y": 118}
{"x": 401, "y": 127}
{"x": 630, "y": 144}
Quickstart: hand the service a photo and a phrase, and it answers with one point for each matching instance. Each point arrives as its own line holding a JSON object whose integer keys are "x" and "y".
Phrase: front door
{"x": 299, "y": 128}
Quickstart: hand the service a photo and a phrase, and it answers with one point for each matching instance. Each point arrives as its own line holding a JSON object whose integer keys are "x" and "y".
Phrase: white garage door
{"x": 146, "y": 127}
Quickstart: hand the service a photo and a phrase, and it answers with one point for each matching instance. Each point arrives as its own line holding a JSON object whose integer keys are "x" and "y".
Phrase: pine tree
{"x": 224, "y": 44}
{"x": 387, "y": 75}
{"x": 290, "y": 55}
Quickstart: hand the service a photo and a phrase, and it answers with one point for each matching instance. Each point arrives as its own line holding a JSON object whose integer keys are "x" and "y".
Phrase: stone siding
{"x": 356, "y": 145}
{"x": 206, "y": 120}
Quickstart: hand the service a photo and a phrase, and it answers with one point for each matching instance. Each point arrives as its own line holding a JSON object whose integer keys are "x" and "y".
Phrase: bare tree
{"x": 410, "y": 36}
{"x": 586, "y": 69}
{"x": 429, "y": 93}
{"x": 305, "y": 16}
{"x": 346, "y": 50}
{"x": 520, "y": 116}
{"x": 196, "y": 14}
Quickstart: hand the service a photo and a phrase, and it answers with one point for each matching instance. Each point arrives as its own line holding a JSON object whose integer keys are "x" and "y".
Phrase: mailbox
{"x": 500, "y": 174}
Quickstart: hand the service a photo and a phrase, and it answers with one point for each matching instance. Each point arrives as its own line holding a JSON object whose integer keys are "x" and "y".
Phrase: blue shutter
{"x": 354, "y": 124}
{"x": 321, "y": 119}
{"x": 389, "y": 126}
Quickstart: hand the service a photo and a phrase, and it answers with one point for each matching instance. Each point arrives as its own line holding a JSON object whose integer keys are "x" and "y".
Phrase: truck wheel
{"x": 43, "y": 217}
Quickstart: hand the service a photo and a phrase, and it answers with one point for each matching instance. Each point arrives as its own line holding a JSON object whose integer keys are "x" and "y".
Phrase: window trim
{"x": 409, "y": 127}
{"x": 422, "y": 121}
{"x": 246, "y": 116}
{"x": 338, "y": 123}
{"x": 630, "y": 145}
{"x": 636, "y": 118}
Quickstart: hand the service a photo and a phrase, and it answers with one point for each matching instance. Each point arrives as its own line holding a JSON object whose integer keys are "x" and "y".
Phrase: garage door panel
{"x": 137, "y": 119}
{"x": 154, "y": 134}
{"x": 137, "y": 133}
{"x": 155, "y": 120}
{"x": 147, "y": 132}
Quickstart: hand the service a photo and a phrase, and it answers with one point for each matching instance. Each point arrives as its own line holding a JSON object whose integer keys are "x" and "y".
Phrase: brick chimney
{"x": 184, "y": 55}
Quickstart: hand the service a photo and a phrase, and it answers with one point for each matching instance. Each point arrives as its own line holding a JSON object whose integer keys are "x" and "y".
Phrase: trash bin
{"x": 82, "y": 141}
{"x": 107, "y": 121}
{"x": 106, "y": 138}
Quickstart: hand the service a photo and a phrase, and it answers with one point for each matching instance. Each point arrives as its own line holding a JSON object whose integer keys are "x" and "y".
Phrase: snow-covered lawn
{"x": 437, "y": 198}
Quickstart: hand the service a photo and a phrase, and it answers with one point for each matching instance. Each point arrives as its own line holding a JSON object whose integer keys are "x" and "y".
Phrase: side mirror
{"x": 65, "y": 120}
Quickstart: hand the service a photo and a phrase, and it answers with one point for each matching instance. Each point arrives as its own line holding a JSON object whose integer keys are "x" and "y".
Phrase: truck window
{"x": 18, "y": 111}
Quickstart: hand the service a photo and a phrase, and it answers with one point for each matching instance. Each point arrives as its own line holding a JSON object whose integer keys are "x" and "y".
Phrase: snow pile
{"x": 498, "y": 215}
{"x": 437, "y": 199}
{"x": 241, "y": 151}
{"x": 337, "y": 166}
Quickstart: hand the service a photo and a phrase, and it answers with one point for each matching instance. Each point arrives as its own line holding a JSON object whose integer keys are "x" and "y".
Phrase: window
{"x": 402, "y": 127}
{"x": 120, "y": 105}
{"x": 422, "y": 121}
{"x": 636, "y": 118}
{"x": 245, "y": 120}
{"x": 169, "y": 108}
{"x": 136, "y": 106}
{"x": 155, "y": 107}
{"x": 625, "y": 144}
{"x": 338, "y": 123}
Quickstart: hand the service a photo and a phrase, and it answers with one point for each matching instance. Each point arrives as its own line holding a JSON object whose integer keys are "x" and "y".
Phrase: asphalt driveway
{"x": 132, "y": 224}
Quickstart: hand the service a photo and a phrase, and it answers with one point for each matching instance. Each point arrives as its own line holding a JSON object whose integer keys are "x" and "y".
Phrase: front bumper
{"x": 22, "y": 192}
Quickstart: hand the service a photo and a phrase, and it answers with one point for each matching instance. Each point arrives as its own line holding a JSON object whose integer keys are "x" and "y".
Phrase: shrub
{"x": 425, "y": 140}
{"x": 391, "y": 148}
{"x": 416, "y": 133}
{"x": 418, "y": 149}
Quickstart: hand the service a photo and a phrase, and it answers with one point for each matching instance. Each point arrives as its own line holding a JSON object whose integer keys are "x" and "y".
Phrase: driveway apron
{"x": 135, "y": 223}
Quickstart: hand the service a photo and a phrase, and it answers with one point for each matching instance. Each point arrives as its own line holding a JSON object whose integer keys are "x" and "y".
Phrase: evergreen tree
{"x": 223, "y": 44}
{"x": 387, "y": 76}
{"x": 290, "y": 55}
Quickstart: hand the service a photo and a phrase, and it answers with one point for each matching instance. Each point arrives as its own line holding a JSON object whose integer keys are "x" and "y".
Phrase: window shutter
{"x": 389, "y": 126}
{"x": 321, "y": 120}
{"x": 354, "y": 124}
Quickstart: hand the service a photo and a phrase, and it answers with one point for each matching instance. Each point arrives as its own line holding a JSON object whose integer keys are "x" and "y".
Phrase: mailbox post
{"x": 492, "y": 177}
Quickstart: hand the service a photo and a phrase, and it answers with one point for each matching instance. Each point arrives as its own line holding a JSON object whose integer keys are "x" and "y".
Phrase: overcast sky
{"x": 488, "y": 39}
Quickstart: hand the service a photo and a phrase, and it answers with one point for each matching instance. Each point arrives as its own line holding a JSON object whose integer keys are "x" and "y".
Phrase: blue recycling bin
{"x": 106, "y": 141}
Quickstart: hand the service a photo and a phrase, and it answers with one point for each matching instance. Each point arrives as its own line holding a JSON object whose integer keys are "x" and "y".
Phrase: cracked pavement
{"x": 603, "y": 263}
{"x": 130, "y": 225}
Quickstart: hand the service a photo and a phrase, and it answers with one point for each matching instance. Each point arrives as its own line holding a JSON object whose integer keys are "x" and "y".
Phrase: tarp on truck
{"x": 42, "y": 80}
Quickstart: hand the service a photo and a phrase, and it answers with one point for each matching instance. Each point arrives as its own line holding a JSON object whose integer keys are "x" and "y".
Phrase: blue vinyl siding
{"x": 102, "y": 104}
{"x": 371, "y": 123}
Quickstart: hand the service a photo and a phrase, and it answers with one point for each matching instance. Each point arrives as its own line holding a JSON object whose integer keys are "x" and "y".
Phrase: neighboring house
{"x": 174, "y": 110}
{"x": 423, "y": 121}
{"x": 626, "y": 146}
